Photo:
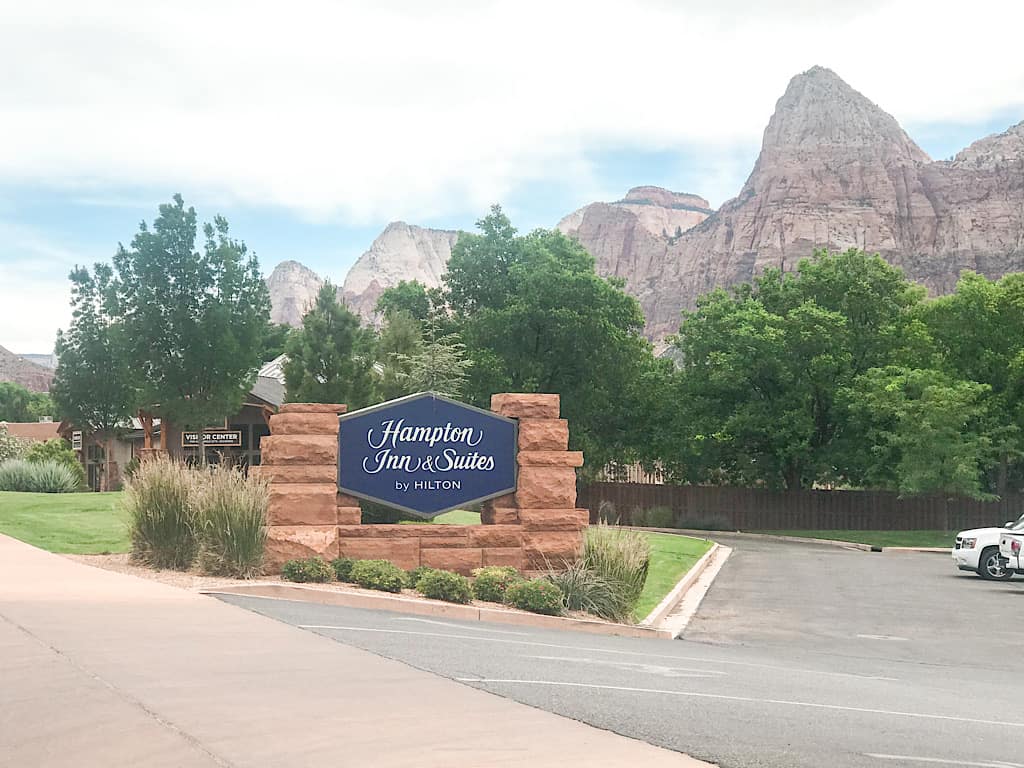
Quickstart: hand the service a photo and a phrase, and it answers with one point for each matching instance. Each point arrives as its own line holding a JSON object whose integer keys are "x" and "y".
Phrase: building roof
{"x": 36, "y": 431}
{"x": 275, "y": 368}
{"x": 268, "y": 389}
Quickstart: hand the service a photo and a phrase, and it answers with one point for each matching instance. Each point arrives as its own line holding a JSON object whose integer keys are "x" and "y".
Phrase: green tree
{"x": 761, "y": 369}
{"x": 438, "y": 365}
{"x": 928, "y": 432}
{"x": 275, "y": 338}
{"x": 978, "y": 333}
{"x": 409, "y": 297}
{"x": 195, "y": 319}
{"x": 94, "y": 387}
{"x": 400, "y": 340}
{"x": 331, "y": 358}
{"x": 11, "y": 447}
{"x": 535, "y": 317}
{"x": 14, "y": 402}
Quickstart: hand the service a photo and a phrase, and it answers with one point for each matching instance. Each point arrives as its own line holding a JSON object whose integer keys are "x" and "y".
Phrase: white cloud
{"x": 367, "y": 110}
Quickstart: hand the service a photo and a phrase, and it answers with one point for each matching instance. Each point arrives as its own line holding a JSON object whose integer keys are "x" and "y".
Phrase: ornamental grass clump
{"x": 445, "y": 585}
{"x": 37, "y": 477}
{"x": 584, "y": 589}
{"x": 491, "y": 583}
{"x": 230, "y": 522}
{"x": 621, "y": 558}
{"x": 159, "y": 503}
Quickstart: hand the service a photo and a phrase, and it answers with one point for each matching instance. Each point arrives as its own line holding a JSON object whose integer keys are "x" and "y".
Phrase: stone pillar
{"x": 300, "y": 458}
{"x": 544, "y": 505}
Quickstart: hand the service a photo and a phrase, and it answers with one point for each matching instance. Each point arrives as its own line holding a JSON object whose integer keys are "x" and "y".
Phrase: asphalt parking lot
{"x": 799, "y": 656}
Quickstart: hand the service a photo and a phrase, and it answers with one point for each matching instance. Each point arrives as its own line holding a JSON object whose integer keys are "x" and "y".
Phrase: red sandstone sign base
{"x": 536, "y": 527}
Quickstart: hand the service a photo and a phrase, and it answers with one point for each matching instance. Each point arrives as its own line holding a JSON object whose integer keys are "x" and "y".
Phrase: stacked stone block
{"x": 300, "y": 458}
{"x": 544, "y": 504}
{"x": 531, "y": 529}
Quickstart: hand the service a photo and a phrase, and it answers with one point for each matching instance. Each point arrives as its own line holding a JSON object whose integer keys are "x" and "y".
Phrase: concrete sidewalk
{"x": 98, "y": 668}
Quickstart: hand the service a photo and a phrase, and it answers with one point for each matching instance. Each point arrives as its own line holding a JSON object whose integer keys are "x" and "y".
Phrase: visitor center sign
{"x": 426, "y": 454}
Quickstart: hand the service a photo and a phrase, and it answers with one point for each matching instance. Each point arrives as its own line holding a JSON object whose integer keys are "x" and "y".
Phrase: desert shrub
{"x": 536, "y": 596}
{"x": 11, "y": 447}
{"x": 491, "y": 583}
{"x": 313, "y": 570}
{"x": 445, "y": 585}
{"x": 230, "y": 521}
{"x": 606, "y": 514}
{"x": 413, "y": 576}
{"x": 37, "y": 477}
{"x": 343, "y": 568}
{"x": 159, "y": 503}
{"x": 653, "y": 517}
{"x": 378, "y": 574}
{"x": 59, "y": 451}
{"x": 619, "y": 556}
{"x": 583, "y": 589}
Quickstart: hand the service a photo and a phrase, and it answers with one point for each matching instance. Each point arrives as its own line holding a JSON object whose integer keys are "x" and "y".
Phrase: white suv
{"x": 978, "y": 550}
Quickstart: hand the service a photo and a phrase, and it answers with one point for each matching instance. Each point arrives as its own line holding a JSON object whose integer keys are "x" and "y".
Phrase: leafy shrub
{"x": 11, "y": 447}
{"x": 343, "y": 568}
{"x": 412, "y": 577}
{"x": 536, "y": 596}
{"x": 583, "y": 589}
{"x": 445, "y": 585}
{"x": 230, "y": 522}
{"x": 313, "y": 569}
{"x": 378, "y": 574}
{"x": 491, "y": 583}
{"x": 653, "y": 517}
{"x": 37, "y": 477}
{"x": 619, "y": 556}
{"x": 159, "y": 503}
{"x": 59, "y": 451}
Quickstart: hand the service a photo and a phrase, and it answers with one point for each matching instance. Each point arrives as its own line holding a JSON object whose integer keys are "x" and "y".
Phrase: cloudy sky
{"x": 311, "y": 125}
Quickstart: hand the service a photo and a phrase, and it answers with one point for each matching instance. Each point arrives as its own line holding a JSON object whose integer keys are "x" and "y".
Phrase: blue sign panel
{"x": 426, "y": 454}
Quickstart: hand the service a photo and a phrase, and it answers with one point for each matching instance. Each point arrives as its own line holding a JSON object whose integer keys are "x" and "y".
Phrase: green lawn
{"x": 455, "y": 517}
{"x": 671, "y": 557}
{"x": 73, "y": 523}
{"x": 878, "y": 538}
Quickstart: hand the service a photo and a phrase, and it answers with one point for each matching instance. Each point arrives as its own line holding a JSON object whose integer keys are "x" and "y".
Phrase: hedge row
{"x": 499, "y": 584}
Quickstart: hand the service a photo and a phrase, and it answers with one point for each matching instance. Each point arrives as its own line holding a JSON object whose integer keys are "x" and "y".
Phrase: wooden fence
{"x": 752, "y": 509}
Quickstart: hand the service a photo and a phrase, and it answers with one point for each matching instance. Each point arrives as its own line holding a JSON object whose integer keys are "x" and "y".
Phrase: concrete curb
{"x": 931, "y": 550}
{"x": 399, "y": 604}
{"x": 673, "y": 598}
{"x": 677, "y": 621}
{"x": 763, "y": 536}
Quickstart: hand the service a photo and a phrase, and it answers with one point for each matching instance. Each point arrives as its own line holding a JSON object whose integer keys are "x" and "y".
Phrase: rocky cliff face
{"x": 293, "y": 289}
{"x": 834, "y": 171}
{"x": 630, "y": 238}
{"x": 401, "y": 252}
{"x": 24, "y": 372}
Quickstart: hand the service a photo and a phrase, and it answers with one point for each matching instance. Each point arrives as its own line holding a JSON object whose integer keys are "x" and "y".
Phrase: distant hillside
{"x": 36, "y": 378}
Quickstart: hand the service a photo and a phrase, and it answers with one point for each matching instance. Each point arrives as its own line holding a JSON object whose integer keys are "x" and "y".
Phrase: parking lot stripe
{"x": 749, "y": 699}
{"x": 944, "y": 761}
{"x": 462, "y": 627}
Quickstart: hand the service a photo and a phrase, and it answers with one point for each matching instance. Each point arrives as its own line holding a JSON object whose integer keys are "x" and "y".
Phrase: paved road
{"x": 836, "y": 658}
{"x": 103, "y": 670}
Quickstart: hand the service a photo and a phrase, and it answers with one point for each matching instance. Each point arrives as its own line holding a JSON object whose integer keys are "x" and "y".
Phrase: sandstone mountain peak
{"x": 293, "y": 289}
{"x": 665, "y": 198}
{"x": 820, "y": 110}
{"x": 401, "y": 252}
